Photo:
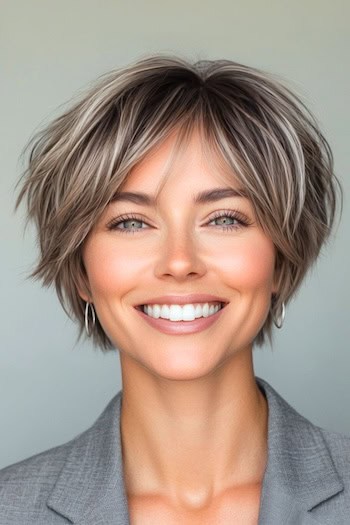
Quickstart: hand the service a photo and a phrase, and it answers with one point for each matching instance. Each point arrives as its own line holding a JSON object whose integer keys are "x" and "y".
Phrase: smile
{"x": 186, "y": 312}
{"x": 186, "y": 319}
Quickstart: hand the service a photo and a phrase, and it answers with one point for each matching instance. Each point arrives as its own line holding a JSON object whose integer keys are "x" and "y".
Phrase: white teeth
{"x": 156, "y": 311}
{"x": 175, "y": 312}
{"x": 188, "y": 312}
{"x": 198, "y": 311}
{"x": 165, "y": 311}
{"x": 205, "y": 311}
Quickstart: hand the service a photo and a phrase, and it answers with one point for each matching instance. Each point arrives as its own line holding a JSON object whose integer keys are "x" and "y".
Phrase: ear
{"x": 276, "y": 276}
{"x": 275, "y": 287}
{"x": 84, "y": 296}
{"x": 83, "y": 288}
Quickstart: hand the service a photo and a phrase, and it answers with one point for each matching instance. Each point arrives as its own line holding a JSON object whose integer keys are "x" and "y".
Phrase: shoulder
{"x": 310, "y": 465}
{"x": 62, "y": 483}
{"x": 338, "y": 445}
{"x": 292, "y": 429}
{"x": 26, "y": 485}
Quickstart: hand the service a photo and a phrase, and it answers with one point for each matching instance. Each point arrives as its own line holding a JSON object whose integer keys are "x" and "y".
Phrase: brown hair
{"x": 261, "y": 130}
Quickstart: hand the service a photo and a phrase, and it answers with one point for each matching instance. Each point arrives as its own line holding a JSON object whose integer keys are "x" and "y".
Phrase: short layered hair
{"x": 259, "y": 128}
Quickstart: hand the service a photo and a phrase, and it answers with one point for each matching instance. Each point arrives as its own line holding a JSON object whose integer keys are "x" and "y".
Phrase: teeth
{"x": 205, "y": 310}
{"x": 175, "y": 312}
{"x": 198, "y": 311}
{"x": 165, "y": 311}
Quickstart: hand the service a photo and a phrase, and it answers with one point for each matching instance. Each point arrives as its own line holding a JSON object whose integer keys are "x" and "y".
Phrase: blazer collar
{"x": 90, "y": 488}
{"x": 299, "y": 474}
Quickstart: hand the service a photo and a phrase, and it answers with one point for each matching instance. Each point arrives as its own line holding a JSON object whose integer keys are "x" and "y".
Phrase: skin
{"x": 194, "y": 422}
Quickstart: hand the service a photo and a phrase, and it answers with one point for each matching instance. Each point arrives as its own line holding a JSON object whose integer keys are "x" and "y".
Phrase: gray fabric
{"x": 306, "y": 481}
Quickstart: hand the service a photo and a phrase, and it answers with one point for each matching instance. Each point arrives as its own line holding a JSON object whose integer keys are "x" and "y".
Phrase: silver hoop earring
{"x": 279, "y": 318}
{"x": 93, "y": 318}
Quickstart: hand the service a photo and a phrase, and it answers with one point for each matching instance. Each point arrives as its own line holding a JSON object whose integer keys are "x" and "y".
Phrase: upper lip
{"x": 185, "y": 299}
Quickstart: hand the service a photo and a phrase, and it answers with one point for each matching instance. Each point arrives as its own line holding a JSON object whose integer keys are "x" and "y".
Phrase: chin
{"x": 180, "y": 365}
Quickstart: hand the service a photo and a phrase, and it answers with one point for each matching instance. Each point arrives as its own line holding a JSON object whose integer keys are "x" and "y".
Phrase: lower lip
{"x": 181, "y": 327}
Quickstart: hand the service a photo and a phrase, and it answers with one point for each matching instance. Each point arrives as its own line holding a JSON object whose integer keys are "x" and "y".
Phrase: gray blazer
{"x": 306, "y": 481}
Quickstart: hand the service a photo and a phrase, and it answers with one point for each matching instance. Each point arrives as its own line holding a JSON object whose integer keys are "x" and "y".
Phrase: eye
{"x": 230, "y": 220}
{"x": 227, "y": 220}
{"x": 126, "y": 224}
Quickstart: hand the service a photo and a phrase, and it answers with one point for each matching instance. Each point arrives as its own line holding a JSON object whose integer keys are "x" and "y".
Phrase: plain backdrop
{"x": 52, "y": 389}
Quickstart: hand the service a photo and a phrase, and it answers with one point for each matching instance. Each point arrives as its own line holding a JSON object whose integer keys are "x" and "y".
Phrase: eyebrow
{"x": 201, "y": 198}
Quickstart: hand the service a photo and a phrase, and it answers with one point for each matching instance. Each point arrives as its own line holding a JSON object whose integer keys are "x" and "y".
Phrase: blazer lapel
{"x": 284, "y": 510}
{"x": 300, "y": 473}
{"x": 90, "y": 488}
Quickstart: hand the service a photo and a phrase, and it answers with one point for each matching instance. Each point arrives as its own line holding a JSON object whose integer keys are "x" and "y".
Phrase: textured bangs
{"x": 260, "y": 132}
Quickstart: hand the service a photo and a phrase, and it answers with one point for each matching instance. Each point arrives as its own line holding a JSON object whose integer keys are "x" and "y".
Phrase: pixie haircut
{"x": 260, "y": 130}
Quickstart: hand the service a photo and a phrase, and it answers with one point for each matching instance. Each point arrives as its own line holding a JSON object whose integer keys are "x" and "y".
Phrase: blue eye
{"x": 126, "y": 224}
{"x": 130, "y": 224}
{"x": 226, "y": 220}
{"x": 229, "y": 220}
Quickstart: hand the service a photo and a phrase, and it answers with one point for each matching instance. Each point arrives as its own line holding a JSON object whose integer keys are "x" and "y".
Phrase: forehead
{"x": 180, "y": 160}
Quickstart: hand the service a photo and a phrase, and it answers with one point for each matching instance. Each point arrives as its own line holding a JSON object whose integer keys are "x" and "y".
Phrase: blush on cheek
{"x": 250, "y": 266}
{"x": 111, "y": 270}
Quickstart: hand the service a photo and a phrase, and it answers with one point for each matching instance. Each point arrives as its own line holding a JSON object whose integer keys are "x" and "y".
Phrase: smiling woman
{"x": 179, "y": 207}
{"x": 210, "y": 247}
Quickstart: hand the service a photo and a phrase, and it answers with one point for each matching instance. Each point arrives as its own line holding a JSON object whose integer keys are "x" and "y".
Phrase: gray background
{"x": 50, "y": 390}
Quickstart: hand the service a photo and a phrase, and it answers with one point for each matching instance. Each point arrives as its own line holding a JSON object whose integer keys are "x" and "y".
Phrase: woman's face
{"x": 181, "y": 246}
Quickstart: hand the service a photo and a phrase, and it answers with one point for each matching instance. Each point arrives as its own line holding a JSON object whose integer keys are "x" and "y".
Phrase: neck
{"x": 193, "y": 440}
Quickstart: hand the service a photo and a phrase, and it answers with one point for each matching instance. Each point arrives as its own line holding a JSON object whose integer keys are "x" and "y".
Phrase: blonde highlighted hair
{"x": 260, "y": 129}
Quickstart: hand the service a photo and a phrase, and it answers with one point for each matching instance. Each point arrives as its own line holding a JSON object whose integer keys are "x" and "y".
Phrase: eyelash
{"x": 239, "y": 217}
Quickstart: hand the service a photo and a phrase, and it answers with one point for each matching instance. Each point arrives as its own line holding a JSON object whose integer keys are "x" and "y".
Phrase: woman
{"x": 179, "y": 207}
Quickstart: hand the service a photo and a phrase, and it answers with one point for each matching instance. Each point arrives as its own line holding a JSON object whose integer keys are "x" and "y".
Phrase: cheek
{"x": 110, "y": 269}
{"x": 249, "y": 265}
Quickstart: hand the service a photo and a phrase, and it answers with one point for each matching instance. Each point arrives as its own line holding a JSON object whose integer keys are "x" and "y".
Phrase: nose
{"x": 180, "y": 258}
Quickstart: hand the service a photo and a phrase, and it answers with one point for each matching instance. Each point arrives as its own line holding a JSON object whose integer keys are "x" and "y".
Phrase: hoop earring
{"x": 279, "y": 318}
{"x": 93, "y": 318}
